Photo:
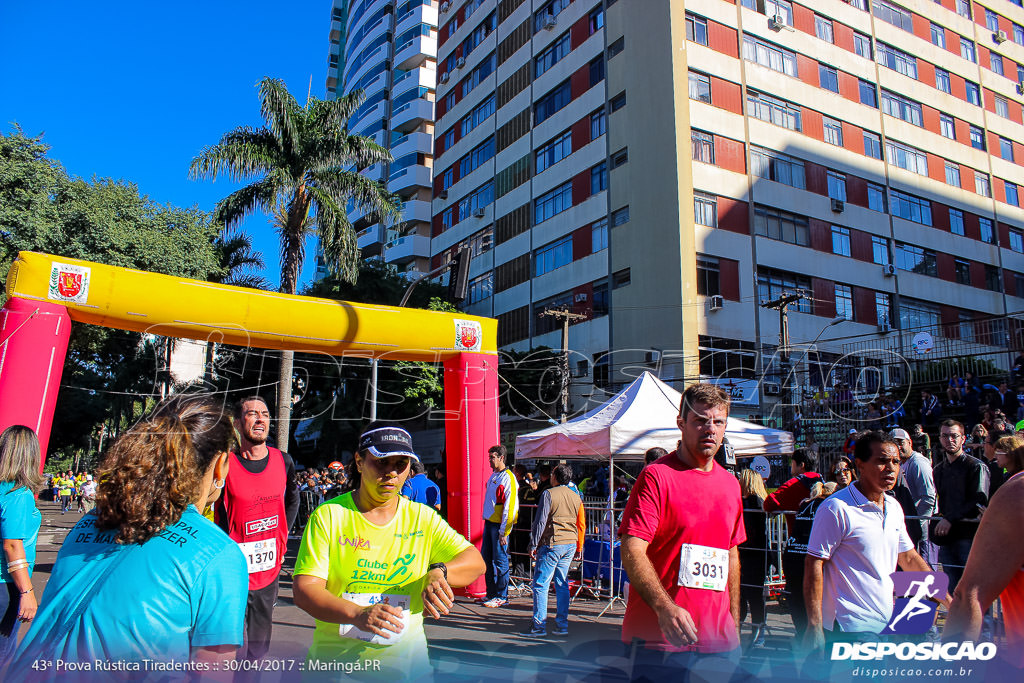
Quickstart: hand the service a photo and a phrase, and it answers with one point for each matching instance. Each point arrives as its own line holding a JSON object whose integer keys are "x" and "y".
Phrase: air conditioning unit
{"x": 884, "y": 327}
{"x": 445, "y": 77}
{"x": 888, "y": 270}
{"x": 460, "y": 62}
{"x": 771, "y": 388}
{"x": 580, "y": 298}
{"x": 479, "y": 213}
{"x": 445, "y": 6}
{"x": 716, "y": 302}
{"x": 550, "y": 21}
{"x": 838, "y": 205}
{"x": 777, "y": 23}
{"x": 999, "y": 37}
{"x": 443, "y": 194}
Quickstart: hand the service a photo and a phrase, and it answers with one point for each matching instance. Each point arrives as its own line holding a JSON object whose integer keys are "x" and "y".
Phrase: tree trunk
{"x": 284, "y": 399}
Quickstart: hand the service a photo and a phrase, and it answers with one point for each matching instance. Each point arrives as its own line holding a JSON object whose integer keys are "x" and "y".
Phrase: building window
{"x": 893, "y": 14}
{"x": 952, "y": 174}
{"x": 780, "y": 9}
{"x": 862, "y": 45}
{"x": 837, "y": 185}
{"x": 480, "y": 113}
{"x": 598, "y": 124}
{"x": 596, "y": 20}
{"x": 966, "y": 327}
{"x": 548, "y": 10}
{"x": 883, "y": 308}
{"x": 897, "y": 60}
{"x": 906, "y": 157}
{"x": 703, "y": 146}
{"x": 947, "y": 126}
{"x": 973, "y": 93}
{"x": 552, "y": 203}
{"x": 554, "y": 151}
{"x": 1012, "y": 196}
{"x": 616, "y": 48}
{"x": 840, "y": 240}
{"x": 700, "y": 87}
{"x": 902, "y": 108}
{"x": 619, "y": 158}
{"x": 967, "y": 50}
{"x": 1002, "y": 106}
{"x": 551, "y": 55}
{"x": 598, "y": 178}
{"x": 876, "y": 197}
{"x": 988, "y": 234}
{"x": 599, "y": 236}
{"x": 844, "y": 301}
{"x": 772, "y": 284}
{"x": 868, "y": 94}
{"x": 1006, "y": 149}
{"x": 781, "y": 225}
{"x": 879, "y": 250}
{"x": 823, "y": 28}
{"x": 596, "y": 70}
{"x": 447, "y": 177}
{"x": 992, "y": 280}
{"x": 982, "y": 184}
{"x": 911, "y": 208}
{"x": 828, "y": 77}
{"x": 962, "y": 269}
{"x": 1018, "y": 34}
{"x": 773, "y": 110}
{"x": 956, "y": 222}
{"x": 833, "y": 131}
{"x": 480, "y": 288}
{"x": 977, "y": 138}
{"x": 938, "y": 36}
{"x": 617, "y": 102}
{"x": 872, "y": 145}
{"x": 781, "y": 168}
{"x": 771, "y": 56}
{"x": 620, "y": 278}
{"x": 916, "y": 314}
{"x": 996, "y": 63}
{"x": 696, "y": 28}
{"x": 707, "y": 275}
{"x": 915, "y": 259}
{"x": 991, "y": 20}
{"x": 963, "y": 8}
{"x": 705, "y": 209}
{"x": 942, "y": 80}
{"x": 1017, "y": 241}
{"x": 550, "y": 103}
{"x": 620, "y": 216}
{"x": 480, "y": 154}
{"x": 553, "y": 256}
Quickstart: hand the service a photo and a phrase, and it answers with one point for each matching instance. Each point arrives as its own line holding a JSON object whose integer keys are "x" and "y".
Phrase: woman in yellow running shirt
{"x": 372, "y": 562}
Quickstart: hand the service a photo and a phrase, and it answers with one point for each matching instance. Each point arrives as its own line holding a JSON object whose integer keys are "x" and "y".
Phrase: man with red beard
{"x": 258, "y": 508}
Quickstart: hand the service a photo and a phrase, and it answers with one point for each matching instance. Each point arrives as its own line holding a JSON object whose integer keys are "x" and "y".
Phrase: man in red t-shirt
{"x": 680, "y": 532}
{"x": 789, "y": 496}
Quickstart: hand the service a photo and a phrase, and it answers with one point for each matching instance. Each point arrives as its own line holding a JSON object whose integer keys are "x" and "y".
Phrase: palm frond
{"x": 245, "y": 201}
{"x": 337, "y": 239}
{"x": 334, "y": 114}
{"x": 370, "y": 195}
{"x": 281, "y": 112}
{"x": 241, "y": 153}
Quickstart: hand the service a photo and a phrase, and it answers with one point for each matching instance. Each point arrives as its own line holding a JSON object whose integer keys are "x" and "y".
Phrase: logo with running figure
{"x": 917, "y": 598}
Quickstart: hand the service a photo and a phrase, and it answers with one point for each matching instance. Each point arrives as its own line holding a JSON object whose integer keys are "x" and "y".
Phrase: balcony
{"x": 413, "y": 142}
{"x": 371, "y": 33}
{"x": 410, "y": 115}
{"x": 367, "y": 237}
{"x": 417, "y": 210}
{"x": 378, "y": 83}
{"x": 415, "y": 52}
{"x": 409, "y": 178}
{"x": 374, "y": 58}
{"x": 421, "y": 77}
{"x": 405, "y": 249}
{"x": 424, "y": 14}
{"x": 378, "y": 111}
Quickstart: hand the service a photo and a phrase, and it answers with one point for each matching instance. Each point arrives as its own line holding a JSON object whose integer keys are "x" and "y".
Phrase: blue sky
{"x": 135, "y": 89}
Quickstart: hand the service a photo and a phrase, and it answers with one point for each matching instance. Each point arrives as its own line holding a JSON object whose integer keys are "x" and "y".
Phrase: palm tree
{"x": 304, "y": 160}
{"x": 238, "y": 261}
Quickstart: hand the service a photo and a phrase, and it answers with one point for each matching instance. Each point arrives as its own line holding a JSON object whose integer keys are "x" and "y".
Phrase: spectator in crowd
{"x": 420, "y": 489}
{"x": 556, "y": 538}
{"x": 501, "y": 505}
{"x": 1020, "y": 404}
{"x": 961, "y": 484}
{"x": 795, "y": 552}
{"x": 850, "y": 556}
{"x": 19, "y": 529}
{"x": 851, "y": 439}
{"x": 146, "y": 576}
{"x": 955, "y": 389}
{"x": 873, "y": 416}
{"x": 788, "y": 496}
{"x": 1007, "y": 401}
{"x": 916, "y": 474}
{"x": 519, "y": 541}
{"x": 842, "y": 473}
{"x": 972, "y": 403}
{"x": 753, "y": 553}
{"x": 417, "y": 559}
{"x": 998, "y": 441}
{"x": 976, "y": 441}
{"x": 653, "y": 454}
{"x": 931, "y": 409}
{"x": 1017, "y": 371}
{"x": 921, "y": 442}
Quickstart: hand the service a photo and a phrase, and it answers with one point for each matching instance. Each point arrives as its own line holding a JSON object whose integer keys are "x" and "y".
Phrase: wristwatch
{"x": 442, "y": 566}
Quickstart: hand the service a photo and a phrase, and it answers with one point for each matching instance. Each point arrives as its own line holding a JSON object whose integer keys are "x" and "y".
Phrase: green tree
{"x": 239, "y": 264}
{"x": 303, "y": 160}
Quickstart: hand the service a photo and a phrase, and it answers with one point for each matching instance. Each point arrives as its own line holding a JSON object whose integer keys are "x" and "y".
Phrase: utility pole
{"x": 782, "y": 306}
{"x": 566, "y": 317}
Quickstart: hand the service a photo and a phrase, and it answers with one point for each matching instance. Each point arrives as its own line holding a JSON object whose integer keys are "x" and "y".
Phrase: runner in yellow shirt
{"x": 372, "y": 562}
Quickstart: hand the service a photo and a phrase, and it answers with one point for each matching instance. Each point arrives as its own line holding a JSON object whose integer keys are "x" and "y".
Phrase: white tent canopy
{"x": 641, "y": 416}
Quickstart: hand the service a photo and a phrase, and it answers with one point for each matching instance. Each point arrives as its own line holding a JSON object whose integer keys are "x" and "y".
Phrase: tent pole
{"x": 612, "y": 596}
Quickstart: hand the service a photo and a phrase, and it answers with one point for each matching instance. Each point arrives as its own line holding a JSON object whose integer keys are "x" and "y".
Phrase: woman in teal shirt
{"x": 19, "y": 527}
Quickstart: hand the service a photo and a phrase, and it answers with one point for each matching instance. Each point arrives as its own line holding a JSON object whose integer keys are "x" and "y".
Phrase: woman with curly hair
{"x": 146, "y": 576}
{"x": 19, "y": 527}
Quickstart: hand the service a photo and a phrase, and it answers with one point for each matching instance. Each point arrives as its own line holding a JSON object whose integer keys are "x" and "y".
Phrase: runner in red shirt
{"x": 680, "y": 532}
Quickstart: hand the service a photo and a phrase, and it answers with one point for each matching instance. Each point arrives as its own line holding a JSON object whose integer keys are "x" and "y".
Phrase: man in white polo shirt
{"x": 857, "y": 540}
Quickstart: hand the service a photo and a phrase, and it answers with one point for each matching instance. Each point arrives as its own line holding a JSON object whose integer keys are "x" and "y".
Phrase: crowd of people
{"x": 193, "y": 508}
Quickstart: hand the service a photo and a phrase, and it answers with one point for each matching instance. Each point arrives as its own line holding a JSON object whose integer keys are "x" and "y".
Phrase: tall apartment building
{"x": 665, "y": 167}
{"x": 388, "y": 49}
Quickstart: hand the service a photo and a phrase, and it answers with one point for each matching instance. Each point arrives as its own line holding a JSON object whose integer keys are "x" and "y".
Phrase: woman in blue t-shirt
{"x": 19, "y": 526}
{"x": 145, "y": 576}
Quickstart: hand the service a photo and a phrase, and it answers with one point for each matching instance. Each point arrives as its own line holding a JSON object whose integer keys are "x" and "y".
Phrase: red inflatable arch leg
{"x": 33, "y": 343}
{"x": 471, "y": 427}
